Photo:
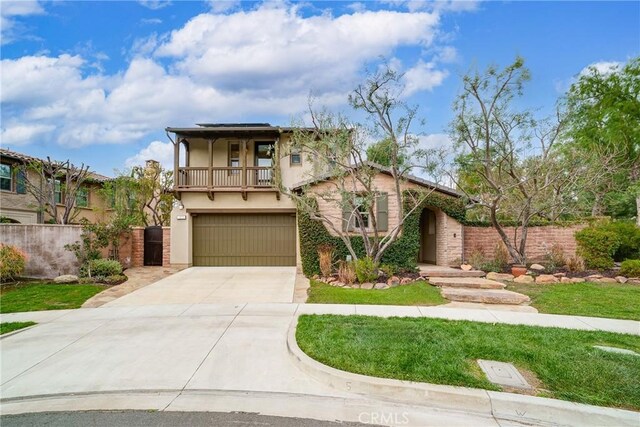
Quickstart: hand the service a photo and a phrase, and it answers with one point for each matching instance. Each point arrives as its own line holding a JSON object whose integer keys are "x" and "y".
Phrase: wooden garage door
{"x": 244, "y": 239}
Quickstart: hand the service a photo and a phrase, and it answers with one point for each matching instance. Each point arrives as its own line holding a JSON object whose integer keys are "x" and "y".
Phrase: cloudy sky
{"x": 97, "y": 82}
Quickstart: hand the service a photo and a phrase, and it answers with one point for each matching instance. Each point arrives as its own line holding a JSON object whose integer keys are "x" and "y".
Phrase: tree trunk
{"x": 638, "y": 210}
{"x": 597, "y": 209}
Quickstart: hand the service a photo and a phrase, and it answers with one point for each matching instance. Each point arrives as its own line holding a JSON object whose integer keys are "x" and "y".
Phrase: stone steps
{"x": 466, "y": 282}
{"x": 485, "y": 296}
{"x": 430, "y": 272}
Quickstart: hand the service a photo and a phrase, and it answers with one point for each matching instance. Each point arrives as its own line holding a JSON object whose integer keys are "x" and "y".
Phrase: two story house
{"x": 17, "y": 205}
{"x": 229, "y": 211}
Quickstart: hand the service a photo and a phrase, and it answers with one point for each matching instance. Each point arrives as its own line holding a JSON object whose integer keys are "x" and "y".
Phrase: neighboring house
{"x": 230, "y": 212}
{"x": 18, "y": 205}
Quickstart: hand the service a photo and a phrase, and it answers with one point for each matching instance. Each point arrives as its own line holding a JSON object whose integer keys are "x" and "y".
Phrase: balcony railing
{"x": 224, "y": 178}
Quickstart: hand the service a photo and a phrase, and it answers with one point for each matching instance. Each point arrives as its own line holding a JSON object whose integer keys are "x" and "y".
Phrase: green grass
{"x": 618, "y": 301}
{"x": 36, "y": 296}
{"x": 445, "y": 352}
{"x": 418, "y": 293}
{"x": 7, "y": 327}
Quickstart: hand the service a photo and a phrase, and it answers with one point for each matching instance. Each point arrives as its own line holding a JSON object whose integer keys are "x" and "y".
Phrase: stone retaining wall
{"x": 539, "y": 240}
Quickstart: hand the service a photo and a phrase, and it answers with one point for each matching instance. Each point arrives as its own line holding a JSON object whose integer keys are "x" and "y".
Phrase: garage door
{"x": 244, "y": 239}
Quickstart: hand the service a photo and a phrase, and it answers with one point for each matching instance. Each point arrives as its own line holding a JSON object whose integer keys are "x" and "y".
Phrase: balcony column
{"x": 210, "y": 173}
{"x": 244, "y": 169}
{"x": 176, "y": 162}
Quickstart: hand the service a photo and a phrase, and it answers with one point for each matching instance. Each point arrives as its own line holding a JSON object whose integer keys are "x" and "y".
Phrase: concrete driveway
{"x": 216, "y": 285}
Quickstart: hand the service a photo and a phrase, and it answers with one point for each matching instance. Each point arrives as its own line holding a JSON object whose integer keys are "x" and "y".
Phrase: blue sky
{"x": 97, "y": 82}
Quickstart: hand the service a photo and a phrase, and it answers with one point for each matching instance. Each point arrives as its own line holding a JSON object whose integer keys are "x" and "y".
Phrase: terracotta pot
{"x": 518, "y": 270}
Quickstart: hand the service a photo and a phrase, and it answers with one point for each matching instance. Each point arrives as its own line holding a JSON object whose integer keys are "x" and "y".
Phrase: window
{"x": 58, "y": 191}
{"x": 234, "y": 157}
{"x": 295, "y": 158}
{"x": 82, "y": 198}
{"x": 6, "y": 178}
{"x": 363, "y": 209}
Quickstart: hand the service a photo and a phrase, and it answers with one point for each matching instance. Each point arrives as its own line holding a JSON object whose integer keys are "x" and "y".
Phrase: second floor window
{"x": 363, "y": 210}
{"x": 58, "y": 191}
{"x": 6, "y": 178}
{"x": 295, "y": 158}
{"x": 82, "y": 198}
{"x": 234, "y": 156}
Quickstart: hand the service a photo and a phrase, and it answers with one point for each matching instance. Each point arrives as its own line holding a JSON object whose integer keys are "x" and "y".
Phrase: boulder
{"x": 380, "y": 286}
{"x": 406, "y": 280}
{"x": 330, "y": 279}
{"x": 393, "y": 281}
{"x": 621, "y": 279}
{"x": 355, "y": 286}
{"x": 501, "y": 277}
{"x": 633, "y": 281}
{"x": 366, "y": 285}
{"x": 536, "y": 267}
{"x": 546, "y": 278}
{"x": 566, "y": 280}
{"x": 594, "y": 276}
{"x": 577, "y": 280}
{"x": 606, "y": 280}
{"x": 524, "y": 279}
{"x": 559, "y": 275}
{"x": 337, "y": 284}
{"x": 466, "y": 267}
{"x": 66, "y": 278}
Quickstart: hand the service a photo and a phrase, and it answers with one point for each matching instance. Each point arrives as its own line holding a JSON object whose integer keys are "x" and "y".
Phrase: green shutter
{"x": 382, "y": 212}
{"x": 21, "y": 185}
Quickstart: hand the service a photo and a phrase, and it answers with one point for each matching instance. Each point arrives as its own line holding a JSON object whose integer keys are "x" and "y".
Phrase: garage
{"x": 239, "y": 239}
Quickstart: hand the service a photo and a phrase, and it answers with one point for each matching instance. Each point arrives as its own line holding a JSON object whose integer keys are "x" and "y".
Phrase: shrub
{"x": 477, "y": 258}
{"x": 597, "y": 246}
{"x": 500, "y": 256}
{"x": 554, "y": 258}
{"x": 12, "y": 261}
{"x": 366, "y": 270}
{"x": 575, "y": 264}
{"x": 118, "y": 278}
{"x": 325, "y": 258}
{"x": 491, "y": 266}
{"x": 104, "y": 268}
{"x": 388, "y": 269}
{"x": 346, "y": 272}
{"x": 629, "y": 236}
{"x": 630, "y": 268}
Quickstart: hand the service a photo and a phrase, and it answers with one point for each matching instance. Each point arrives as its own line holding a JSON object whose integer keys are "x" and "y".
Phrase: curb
{"x": 499, "y": 405}
{"x": 10, "y": 334}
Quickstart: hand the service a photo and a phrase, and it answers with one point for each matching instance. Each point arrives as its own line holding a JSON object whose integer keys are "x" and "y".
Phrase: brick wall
{"x": 166, "y": 246}
{"x": 538, "y": 240}
{"x": 137, "y": 247}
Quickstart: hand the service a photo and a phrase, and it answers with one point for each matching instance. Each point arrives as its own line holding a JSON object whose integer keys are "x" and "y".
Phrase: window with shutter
{"x": 382, "y": 211}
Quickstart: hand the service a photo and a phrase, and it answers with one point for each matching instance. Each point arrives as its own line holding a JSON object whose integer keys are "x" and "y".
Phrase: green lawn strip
{"x": 418, "y": 293}
{"x": 7, "y": 327}
{"x": 445, "y": 352}
{"x": 38, "y": 296}
{"x": 618, "y": 301}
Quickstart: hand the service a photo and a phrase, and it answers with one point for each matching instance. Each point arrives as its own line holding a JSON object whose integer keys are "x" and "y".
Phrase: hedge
{"x": 403, "y": 253}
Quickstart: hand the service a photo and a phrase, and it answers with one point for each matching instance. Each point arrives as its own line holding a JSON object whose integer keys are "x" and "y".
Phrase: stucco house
{"x": 229, "y": 211}
{"x": 19, "y": 206}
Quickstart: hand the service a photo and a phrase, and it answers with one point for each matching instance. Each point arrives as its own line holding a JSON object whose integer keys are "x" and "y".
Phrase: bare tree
{"x": 349, "y": 200}
{"x": 55, "y": 186}
{"x": 520, "y": 172}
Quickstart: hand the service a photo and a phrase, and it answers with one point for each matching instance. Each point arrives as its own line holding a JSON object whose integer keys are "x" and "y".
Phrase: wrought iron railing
{"x": 225, "y": 177}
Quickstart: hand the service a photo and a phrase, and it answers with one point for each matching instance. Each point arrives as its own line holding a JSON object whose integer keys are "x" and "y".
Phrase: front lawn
{"x": 36, "y": 296}
{"x": 445, "y": 352}
{"x": 7, "y": 327}
{"x": 418, "y": 293}
{"x": 618, "y": 301}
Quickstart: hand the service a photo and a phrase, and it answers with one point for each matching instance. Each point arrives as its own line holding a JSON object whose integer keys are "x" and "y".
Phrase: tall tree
{"x": 604, "y": 126}
{"x": 510, "y": 163}
{"x": 55, "y": 186}
{"x": 351, "y": 203}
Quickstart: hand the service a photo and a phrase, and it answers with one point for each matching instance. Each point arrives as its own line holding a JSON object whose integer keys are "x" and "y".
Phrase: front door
{"x": 428, "y": 236}
{"x": 264, "y": 159}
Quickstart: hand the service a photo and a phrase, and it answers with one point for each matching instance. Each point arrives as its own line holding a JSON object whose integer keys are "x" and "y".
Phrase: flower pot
{"x": 518, "y": 270}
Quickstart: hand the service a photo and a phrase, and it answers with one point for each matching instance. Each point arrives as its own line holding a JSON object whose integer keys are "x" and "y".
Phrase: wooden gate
{"x": 153, "y": 245}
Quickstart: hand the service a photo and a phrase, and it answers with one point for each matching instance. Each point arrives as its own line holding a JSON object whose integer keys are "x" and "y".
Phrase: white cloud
{"x": 423, "y": 76}
{"x": 11, "y": 28}
{"x": 436, "y": 5}
{"x": 154, "y": 4}
{"x": 156, "y": 150}
{"x": 151, "y": 21}
{"x": 218, "y": 6}
{"x": 602, "y": 67}
{"x": 200, "y": 72}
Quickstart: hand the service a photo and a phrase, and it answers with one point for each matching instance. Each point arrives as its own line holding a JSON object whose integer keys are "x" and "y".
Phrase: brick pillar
{"x": 166, "y": 246}
{"x": 137, "y": 247}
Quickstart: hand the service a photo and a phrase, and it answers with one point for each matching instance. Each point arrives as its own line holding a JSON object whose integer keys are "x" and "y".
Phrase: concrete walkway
{"x": 214, "y": 285}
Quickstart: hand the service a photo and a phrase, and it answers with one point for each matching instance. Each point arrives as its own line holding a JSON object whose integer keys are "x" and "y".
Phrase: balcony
{"x": 225, "y": 179}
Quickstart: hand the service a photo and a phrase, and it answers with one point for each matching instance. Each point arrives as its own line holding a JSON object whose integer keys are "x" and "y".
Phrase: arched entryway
{"x": 428, "y": 227}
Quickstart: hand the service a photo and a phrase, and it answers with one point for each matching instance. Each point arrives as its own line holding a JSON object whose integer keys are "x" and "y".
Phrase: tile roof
{"x": 24, "y": 158}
